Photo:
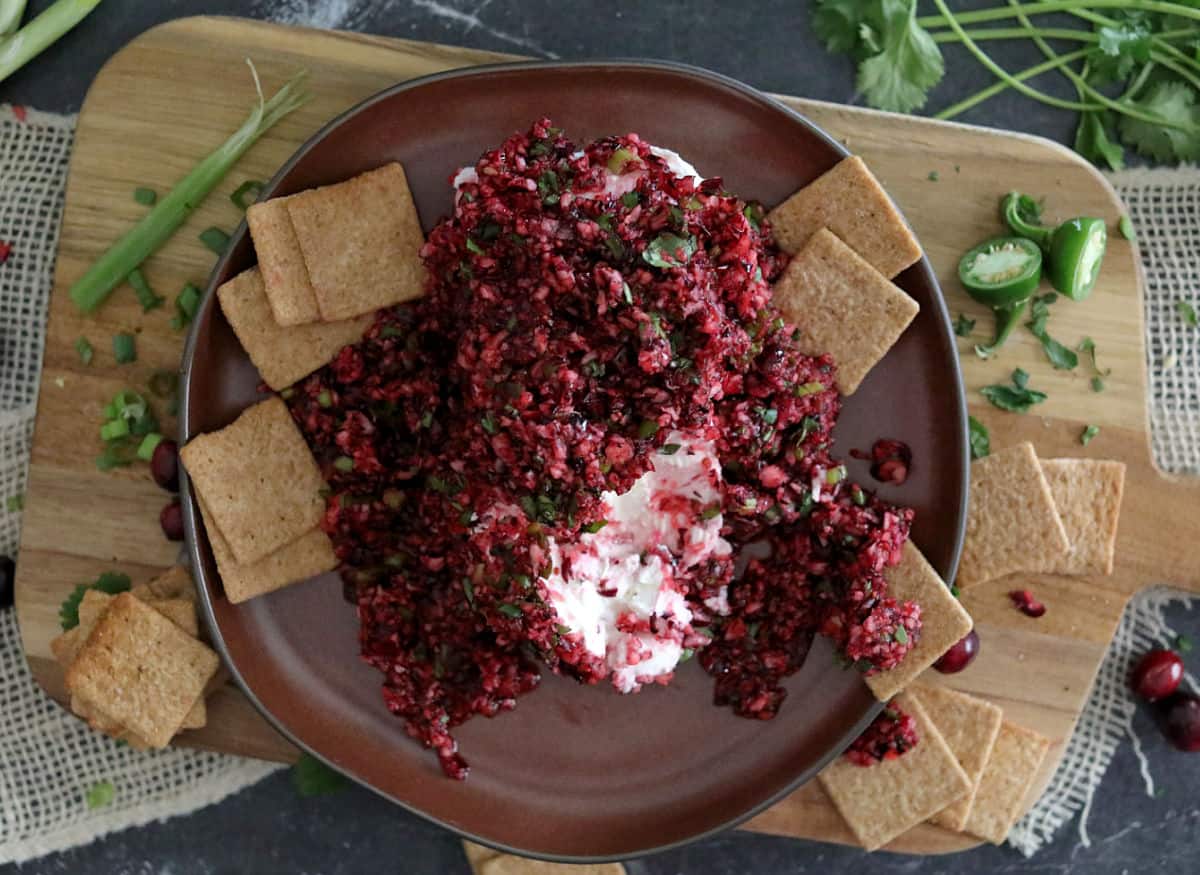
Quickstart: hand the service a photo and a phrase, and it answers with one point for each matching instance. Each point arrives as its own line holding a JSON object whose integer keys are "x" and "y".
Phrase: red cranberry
{"x": 1179, "y": 719}
{"x": 1157, "y": 675}
{"x": 8, "y": 571}
{"x": 171, "y": 520}
{"x": 890, "y": 460}
{"x": 960, "y": 655}
{"x": 164, "y": 465}
{"x": 1026, "y": 603}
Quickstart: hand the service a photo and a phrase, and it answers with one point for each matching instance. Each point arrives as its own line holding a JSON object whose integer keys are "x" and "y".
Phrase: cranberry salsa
{"x": 554, "y": 459}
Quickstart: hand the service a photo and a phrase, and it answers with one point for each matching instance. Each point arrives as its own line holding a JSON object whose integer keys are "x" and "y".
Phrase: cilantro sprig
{"x": 110, "y": 582}
{"x": 1134, "y": 66}
{"x": 1018, "y": 397}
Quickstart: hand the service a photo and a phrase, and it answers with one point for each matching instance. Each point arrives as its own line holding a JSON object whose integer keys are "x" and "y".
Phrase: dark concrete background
{"x": 268, "y": 828}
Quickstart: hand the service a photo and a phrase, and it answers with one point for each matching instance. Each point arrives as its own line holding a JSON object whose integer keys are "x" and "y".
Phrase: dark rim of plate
{"x": 191, "y": 525}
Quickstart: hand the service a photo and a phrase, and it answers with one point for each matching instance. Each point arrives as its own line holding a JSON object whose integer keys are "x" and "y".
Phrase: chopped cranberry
{"x": 5, "y": 251}
{"x": 1026, "y": 603}
{"x": 890, "y": 460}
{"x": 960, "y": 655}
{"x": 1157, "y": 675}
{"x": 164, "y": 465}
{"x": 890, "y": 735}
{"x": 171, "y": 520}
{"x": 8, "y": 571}
{"x": 1179, "y": 718}
{"x": 570, "y": 325}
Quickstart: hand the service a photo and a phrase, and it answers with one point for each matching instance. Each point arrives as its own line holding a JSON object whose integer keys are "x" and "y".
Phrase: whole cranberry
{"x": 1157, "y": 675}
{"x": 1179, "y": 717}
{"x": 960, "y": 655}
{"x": 164, "y": 465}
{"x": 171, "y": 520}
{"x": 8, "y": 571}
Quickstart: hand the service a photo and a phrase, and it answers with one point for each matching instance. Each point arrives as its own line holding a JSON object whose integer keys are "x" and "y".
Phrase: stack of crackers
{"x": 259, "y": 491}
{"x": 971, "y": 770}
{"x": 328, "y": 258}
{"x": 135, "y": 667}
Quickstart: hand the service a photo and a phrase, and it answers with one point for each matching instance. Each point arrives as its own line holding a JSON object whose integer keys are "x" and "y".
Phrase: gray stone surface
{"x": 268, "y": 828}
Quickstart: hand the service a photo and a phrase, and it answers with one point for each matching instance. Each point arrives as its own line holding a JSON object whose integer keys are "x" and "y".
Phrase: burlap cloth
{"x": 49, "y": 759}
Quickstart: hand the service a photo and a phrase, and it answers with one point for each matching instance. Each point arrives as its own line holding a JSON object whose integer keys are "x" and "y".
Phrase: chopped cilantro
{"x": 145, "y": 196}
{"x": 933, "y": 176}
{"x": 1088, "y": 433}
{"x": 979, "y": 438}
{"x": 16, "y": 502}
{"x": 311, "y": 777}
{"x": 1183, "y": 644}
{"x": 109, "y": 582}
{"x": 84, "y": 348}
{"x": 595, "y": 526}
{"x": 963, "y": 326}
{"x": 900, "y": 635}
{"x": 509, "y": 610}
{"x": 648, "y": 428}
{"x": 1017, "y": 398}
{"x": 1187, "y": 312}
{"x": 669, "y": 250}
{"x": 670, "y": 449}
{"x": 1097, "y": 384}
{"x": 1061, "y": 357}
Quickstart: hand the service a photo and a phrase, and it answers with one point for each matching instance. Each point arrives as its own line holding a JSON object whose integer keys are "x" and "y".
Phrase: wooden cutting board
{"x": 174, "y": 92}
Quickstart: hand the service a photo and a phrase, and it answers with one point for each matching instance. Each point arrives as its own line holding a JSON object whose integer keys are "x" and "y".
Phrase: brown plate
{"x": 574, "y": 772}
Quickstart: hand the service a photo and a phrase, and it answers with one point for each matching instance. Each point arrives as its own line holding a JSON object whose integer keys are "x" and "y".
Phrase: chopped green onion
{"x": 472, "y": 246}
{"x": 157, "y": 226}
{"x": 24, "y": 45}
{"x": 593, "y": 527}
{"x": 187, "y": 302}
{"x": 325, "y": 399}
{"x": 145, "y": 295}
{"x": 835, "y": 475}
{"x": 145, "y": 196}
{"x": 215, "y": 239}
{"x": 100, "y": 794}
{"x": 113, "y": 429}
{"x": 246, "y": 194}
{"x": 1088, "y": 433}
{"x": 343, "y": 463}
{"x": 145, "y": 450}
{"x": 1126, "y": 228}
{"x": 85, "y": 350}
{"x": 124, "y": 349}
{"x": 808, "y": 389}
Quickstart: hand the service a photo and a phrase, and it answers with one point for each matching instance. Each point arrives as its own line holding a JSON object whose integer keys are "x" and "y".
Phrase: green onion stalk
{"x": 30, "y": 41}
{"x": 171, "y": 210}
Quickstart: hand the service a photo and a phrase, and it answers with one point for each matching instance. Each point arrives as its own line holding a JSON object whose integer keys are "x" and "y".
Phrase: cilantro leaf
{"x": 963, "y": 326}
{"x": 1093, "y": 142}
{"x": 980, "y": 440}
{"x": 1089, "y": 432}
{"x": 1122, "y": 48}
{"x": 837, "y": 24}
{"x": 1017, "y": 398}
{"x": 110, "y": 582}
{"x": 669, "y": 250}
{"x": 1061, "y": 357}
{"x": 899, "y": 78}
{"x": 1174, "y": 103}
{"x": 311, "y": 777}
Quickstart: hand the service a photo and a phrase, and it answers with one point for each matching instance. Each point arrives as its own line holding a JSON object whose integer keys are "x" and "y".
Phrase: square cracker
{"x": 1012, "y": 524}
{"x": 309, "y": 555}
{"x": 842, "y": 306}
{"x": 174, "y": 583}
{"x": 288, "y": 290}
{"x": 477, "y": 855}
{"x": 282, "y": 355}
{"x": 259, "y": 480}
{"x": 885, "y": 799}
{"x": 850, "y": 202}
{"x": 969, "y": 726}
{"x": 147, "y": 672}
{"x": 508, "y": 864}
{"x": 361, "y": 241}
{"x": 944, "y": 621}
{"x": 1010, "y": 772}
{"x": 1087, "y": 494}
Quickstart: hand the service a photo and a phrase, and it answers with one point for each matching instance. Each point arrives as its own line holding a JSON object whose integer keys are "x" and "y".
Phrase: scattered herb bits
{"x": 215, "y": 239}
{"x": 247, "y": 193}
{"x": 147, "y": 197}
{"x": 311, "y": 777}
{"x": 100, "y": 794}
{"x": 933, "y": 176}
{"x": 1187, "y": 312}
{"x": 110, "y": 582}
{"x": 1089, "y": 432}
{"x": 1017, "y": 398}
{"x": 145, "y": 295}
{"x": 187, "y": 302}
{"x": 1126, "y": 228}
{"x": 124, "y": 348}
{"x": 963, "y": 326}
{"x": 85, "y": 351}
{"x": 980, "y": 439}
